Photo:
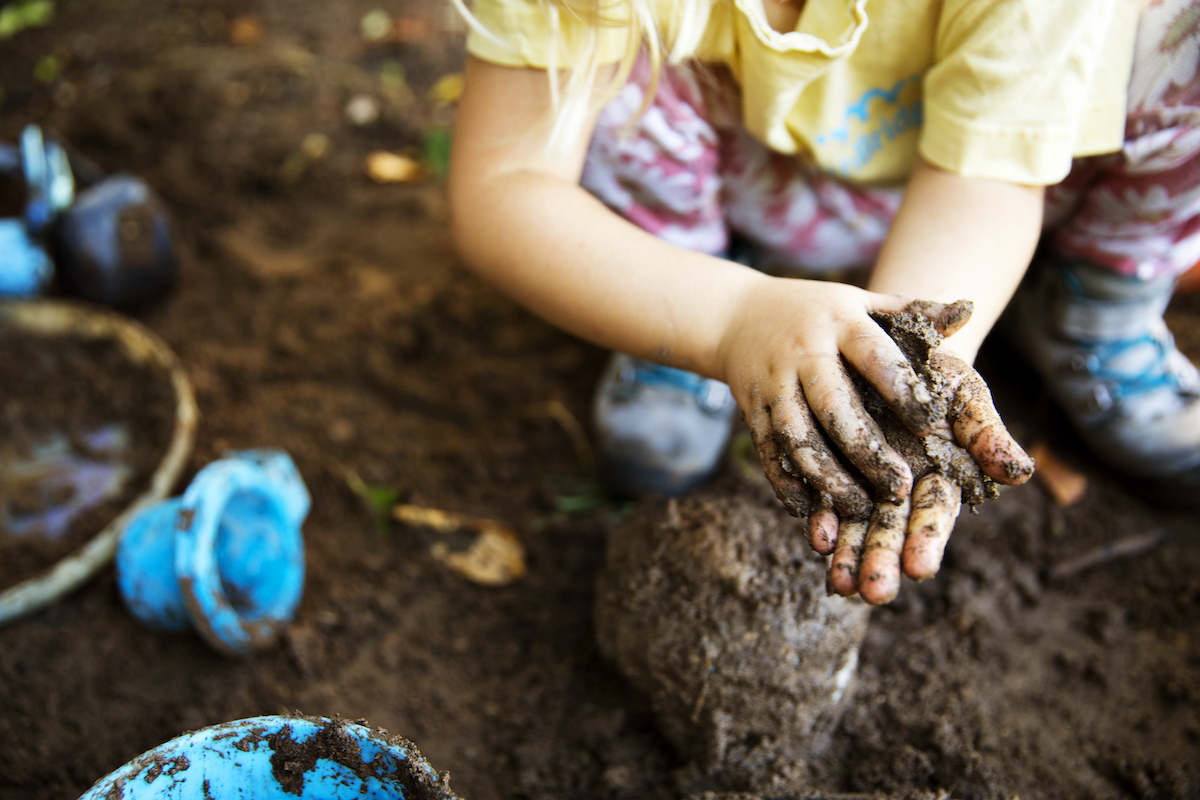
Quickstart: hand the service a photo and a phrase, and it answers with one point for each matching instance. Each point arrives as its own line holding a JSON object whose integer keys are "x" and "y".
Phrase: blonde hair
{"x": 572, "y": 85}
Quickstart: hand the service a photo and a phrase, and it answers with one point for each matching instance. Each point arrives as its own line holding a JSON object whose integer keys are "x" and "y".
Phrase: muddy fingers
{"x": 788, "y": 487}
{"x": 843, "y": 568}
{"x": 809, "y": 457}
{"x": 852, "y": 419}
{"x": 878, "y": 358}
{"x": 935, "y": 506}
{"x": 879, "y": 573}
{"x": 977, "y": 425}
{"x": 838, "y": 406}
{"x": 823, "y": 529}
{"x": 947, "y": 318}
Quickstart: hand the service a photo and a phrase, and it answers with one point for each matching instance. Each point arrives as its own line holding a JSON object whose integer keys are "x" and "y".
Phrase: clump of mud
{"x": 715, "y": 608}
{"x": 918, "y": 338}
{"x": 292, "y": 760}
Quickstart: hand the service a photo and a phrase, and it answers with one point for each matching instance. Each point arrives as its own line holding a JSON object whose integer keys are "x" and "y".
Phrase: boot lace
{"x": 711, "y": 395}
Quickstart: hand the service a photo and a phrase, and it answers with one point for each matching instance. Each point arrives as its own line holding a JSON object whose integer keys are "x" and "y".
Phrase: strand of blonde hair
{"x": 573, "y": 85}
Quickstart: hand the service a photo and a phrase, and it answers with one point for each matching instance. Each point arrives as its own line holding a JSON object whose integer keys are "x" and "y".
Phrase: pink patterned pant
{"x": 686, "y": 171}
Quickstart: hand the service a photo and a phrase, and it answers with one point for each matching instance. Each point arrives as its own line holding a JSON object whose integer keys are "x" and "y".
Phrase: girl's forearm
{"x": 560, "y": 253}
{"x": 956, "y": 238}
{"x": 522, "y": 222}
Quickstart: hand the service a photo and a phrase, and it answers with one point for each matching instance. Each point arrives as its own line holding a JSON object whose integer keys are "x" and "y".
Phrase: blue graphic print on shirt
{"x": 879, "y": 116}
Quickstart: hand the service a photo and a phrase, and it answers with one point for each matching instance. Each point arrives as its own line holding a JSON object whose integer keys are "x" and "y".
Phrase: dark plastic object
{"x": 114, "y": 243}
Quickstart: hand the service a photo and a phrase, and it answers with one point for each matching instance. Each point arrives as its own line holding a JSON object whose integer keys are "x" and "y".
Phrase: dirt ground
{"x": 326, "y": 315}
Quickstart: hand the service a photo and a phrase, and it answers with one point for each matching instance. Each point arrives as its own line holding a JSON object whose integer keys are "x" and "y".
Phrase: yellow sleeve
{"x": 518, "y": 33}
{"x": 1019, "y": 87}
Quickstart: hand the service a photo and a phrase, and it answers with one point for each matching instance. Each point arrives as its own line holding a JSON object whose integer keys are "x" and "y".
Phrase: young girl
{"x": 911, "y": 137}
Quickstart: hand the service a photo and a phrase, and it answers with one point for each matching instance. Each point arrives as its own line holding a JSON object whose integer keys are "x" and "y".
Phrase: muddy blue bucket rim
{"x": 278, "y": 758}
{"x": 270, "y": 474}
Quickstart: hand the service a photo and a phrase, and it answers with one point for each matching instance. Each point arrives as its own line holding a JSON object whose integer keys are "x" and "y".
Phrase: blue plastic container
{"x": 277, "y": 758}
{"x": 226, "y": 558}
{"x": 25, "y": 267}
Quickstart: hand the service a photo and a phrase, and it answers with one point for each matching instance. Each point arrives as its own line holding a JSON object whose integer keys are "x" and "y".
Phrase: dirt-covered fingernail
{"x": 1001, "y": 458}
{"x": 880, "y": 576}
{"x": 946, "y": 317}
{"x": 823, "y": 530}
{"x": 843, "y": 572}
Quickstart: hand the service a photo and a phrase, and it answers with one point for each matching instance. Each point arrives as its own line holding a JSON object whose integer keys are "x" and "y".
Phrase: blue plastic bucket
{"x": 278, "y": 758}
{"x": 226, "y": 558}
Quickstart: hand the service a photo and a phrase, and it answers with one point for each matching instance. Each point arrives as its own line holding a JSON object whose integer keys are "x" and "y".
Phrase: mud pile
{"x": 715, "y": 608}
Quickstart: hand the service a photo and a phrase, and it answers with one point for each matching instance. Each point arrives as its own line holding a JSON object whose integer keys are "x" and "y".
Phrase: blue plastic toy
{"x": 226, "y": 558}
{"x": 113, "y": 245}
{"x": 277, "y": 758}
{"x": 25, "y": 267}
{"x": 111, "y": 241}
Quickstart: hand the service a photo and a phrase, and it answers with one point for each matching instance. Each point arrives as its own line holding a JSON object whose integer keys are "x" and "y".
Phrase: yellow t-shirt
{"x": 1003, "y": 89}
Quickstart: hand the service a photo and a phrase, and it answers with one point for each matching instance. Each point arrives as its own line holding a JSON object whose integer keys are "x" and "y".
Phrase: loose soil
{"x": 326, "y": 315}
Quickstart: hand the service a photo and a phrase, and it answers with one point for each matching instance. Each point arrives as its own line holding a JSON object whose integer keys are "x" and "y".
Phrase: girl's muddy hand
{"x": 975, "y": 425}
{"x": 911, "y": 537}
{"x": 790, "y": 354}
{"x": 913, "y": 534}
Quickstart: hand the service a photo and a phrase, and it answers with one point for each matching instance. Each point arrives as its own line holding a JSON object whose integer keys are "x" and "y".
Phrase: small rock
{"x": 385, "y": 167}
{"x": 341, "y": 431}
{"x": 375, "y": 25}
{"x": 362, "y": 110}
{"x": 620, "y": 779}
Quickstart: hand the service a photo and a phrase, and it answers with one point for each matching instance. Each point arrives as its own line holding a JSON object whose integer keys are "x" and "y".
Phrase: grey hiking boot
{"x": 661, "y": 430}
{"x": 1099, "y": 342}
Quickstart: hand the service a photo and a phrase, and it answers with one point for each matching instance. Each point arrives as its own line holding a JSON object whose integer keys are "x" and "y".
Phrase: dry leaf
{"x": 246, "y": 30}
{"x": 495, "y": 558}
{"x": 406, "y": 30}
{"x": 385, "y": 167}
{"x": 447, "y": 90}
{"x": 424, "y": 517}
{"x": 316, "y": 146}
{"x": 1065, "y": 485}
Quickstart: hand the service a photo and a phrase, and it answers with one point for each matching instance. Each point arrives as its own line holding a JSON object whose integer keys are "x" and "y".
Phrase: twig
{"x": 699, "y": 706}
{"x": 557, "y": 411}
{"x": 1122, "y": 548}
